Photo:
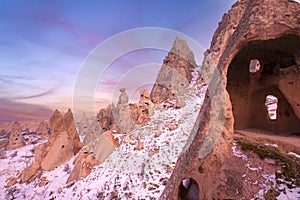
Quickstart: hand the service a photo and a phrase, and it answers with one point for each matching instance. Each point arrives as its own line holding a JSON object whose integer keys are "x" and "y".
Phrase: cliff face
{"x": 265, "y": 30}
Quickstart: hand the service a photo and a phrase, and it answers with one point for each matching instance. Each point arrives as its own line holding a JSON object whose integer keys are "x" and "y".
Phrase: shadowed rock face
{"x": 265, "y": 30}
{"x": 278, "y": 76}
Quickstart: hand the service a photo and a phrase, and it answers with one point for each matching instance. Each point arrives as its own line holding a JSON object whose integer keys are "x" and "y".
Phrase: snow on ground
{"x": 128, "y": 173}
{"x": 273, "y": 145}
{"x": 16, "y": 161}
{"x": 21, "y": 158}
{"x": 286, "y": 189}
{"x": 294, "y": 154}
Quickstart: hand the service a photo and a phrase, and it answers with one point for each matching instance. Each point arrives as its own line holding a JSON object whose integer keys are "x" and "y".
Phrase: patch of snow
{"x": 273, "y": 145}
{"x": 294, "y": 154}
{"x": 237, "y": 153}
{"x": 284, "y": 191}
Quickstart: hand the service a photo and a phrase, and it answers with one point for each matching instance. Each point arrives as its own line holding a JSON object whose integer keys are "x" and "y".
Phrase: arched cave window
{"x": 188, "y": 190}
{"x": 271, "y": 105}
{"x": 254, "y": 66}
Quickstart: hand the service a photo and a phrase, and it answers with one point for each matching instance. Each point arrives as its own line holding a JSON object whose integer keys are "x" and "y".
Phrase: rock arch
{"x": 279, "y": 59}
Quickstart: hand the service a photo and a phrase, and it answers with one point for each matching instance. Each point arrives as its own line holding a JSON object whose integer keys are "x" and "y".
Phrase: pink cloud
{"x": 12, "y": 110}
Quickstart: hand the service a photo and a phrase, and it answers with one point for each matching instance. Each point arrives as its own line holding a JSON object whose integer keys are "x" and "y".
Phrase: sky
{"x": 45, "y": 43}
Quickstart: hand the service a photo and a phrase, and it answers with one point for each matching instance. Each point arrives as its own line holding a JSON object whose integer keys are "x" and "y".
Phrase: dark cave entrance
{"x": 256, "y": 75}
{"x": 188, "y": 190}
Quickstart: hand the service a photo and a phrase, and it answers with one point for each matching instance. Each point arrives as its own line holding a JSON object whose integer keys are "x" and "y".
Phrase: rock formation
{"x": 62, "y": 144}
{"x": 121, "y": 113}
{"x": 100, "y": 144}
{"x": 105, "y": 118}
{"x": 272, "y": 40}
{"x": 143, "y": 110}
{"x": 4, "y": 135}
{"x": 175, "y": 75}
{"x": 93, "y": 132}
{"x": 83, "y": 165}
{"x": 43, "y": 128}
{"x": 104, "y": 146}
{"x": 265, "y": 30}
{"x": 98, "y": 148}
{"x": 82, "y": 125}
{"x": 72, "y": 132}
{"x": 15, "y": 137}
{"x": 138, "y": 113}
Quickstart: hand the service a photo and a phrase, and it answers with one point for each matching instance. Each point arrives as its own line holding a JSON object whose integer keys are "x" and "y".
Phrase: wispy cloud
{"x": 13, "y": 110}
{"x": 48, "y": 92}
{"x": 16, "y": 87}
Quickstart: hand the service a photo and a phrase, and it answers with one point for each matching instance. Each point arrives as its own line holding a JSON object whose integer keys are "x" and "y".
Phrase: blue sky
{"x": 43, "y": 44}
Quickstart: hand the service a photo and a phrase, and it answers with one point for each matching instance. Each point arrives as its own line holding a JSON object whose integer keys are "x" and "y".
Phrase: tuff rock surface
{"x": 266, "y": 30}
{"x": 15, "y": 137}
{"x": 121, "y": 114}
{"x": 43, "y": 128}
{"x": 175, "y": 75}
{"x": 142, "y": 111}
{"x": 105, "y": 118}
{"x": 62, "y": 144}
{"x": 83, "y": 165}
{"x": 93, "y": 132}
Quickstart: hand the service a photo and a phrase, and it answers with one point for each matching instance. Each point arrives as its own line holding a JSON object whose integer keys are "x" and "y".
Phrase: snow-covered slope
{"x": 129, "y": 172}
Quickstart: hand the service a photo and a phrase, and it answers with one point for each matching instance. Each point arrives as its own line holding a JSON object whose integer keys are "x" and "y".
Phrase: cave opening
{"x": 188, "y": 189}
{"x": 261, "y": 73}
{"x": 271, "y": 106}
